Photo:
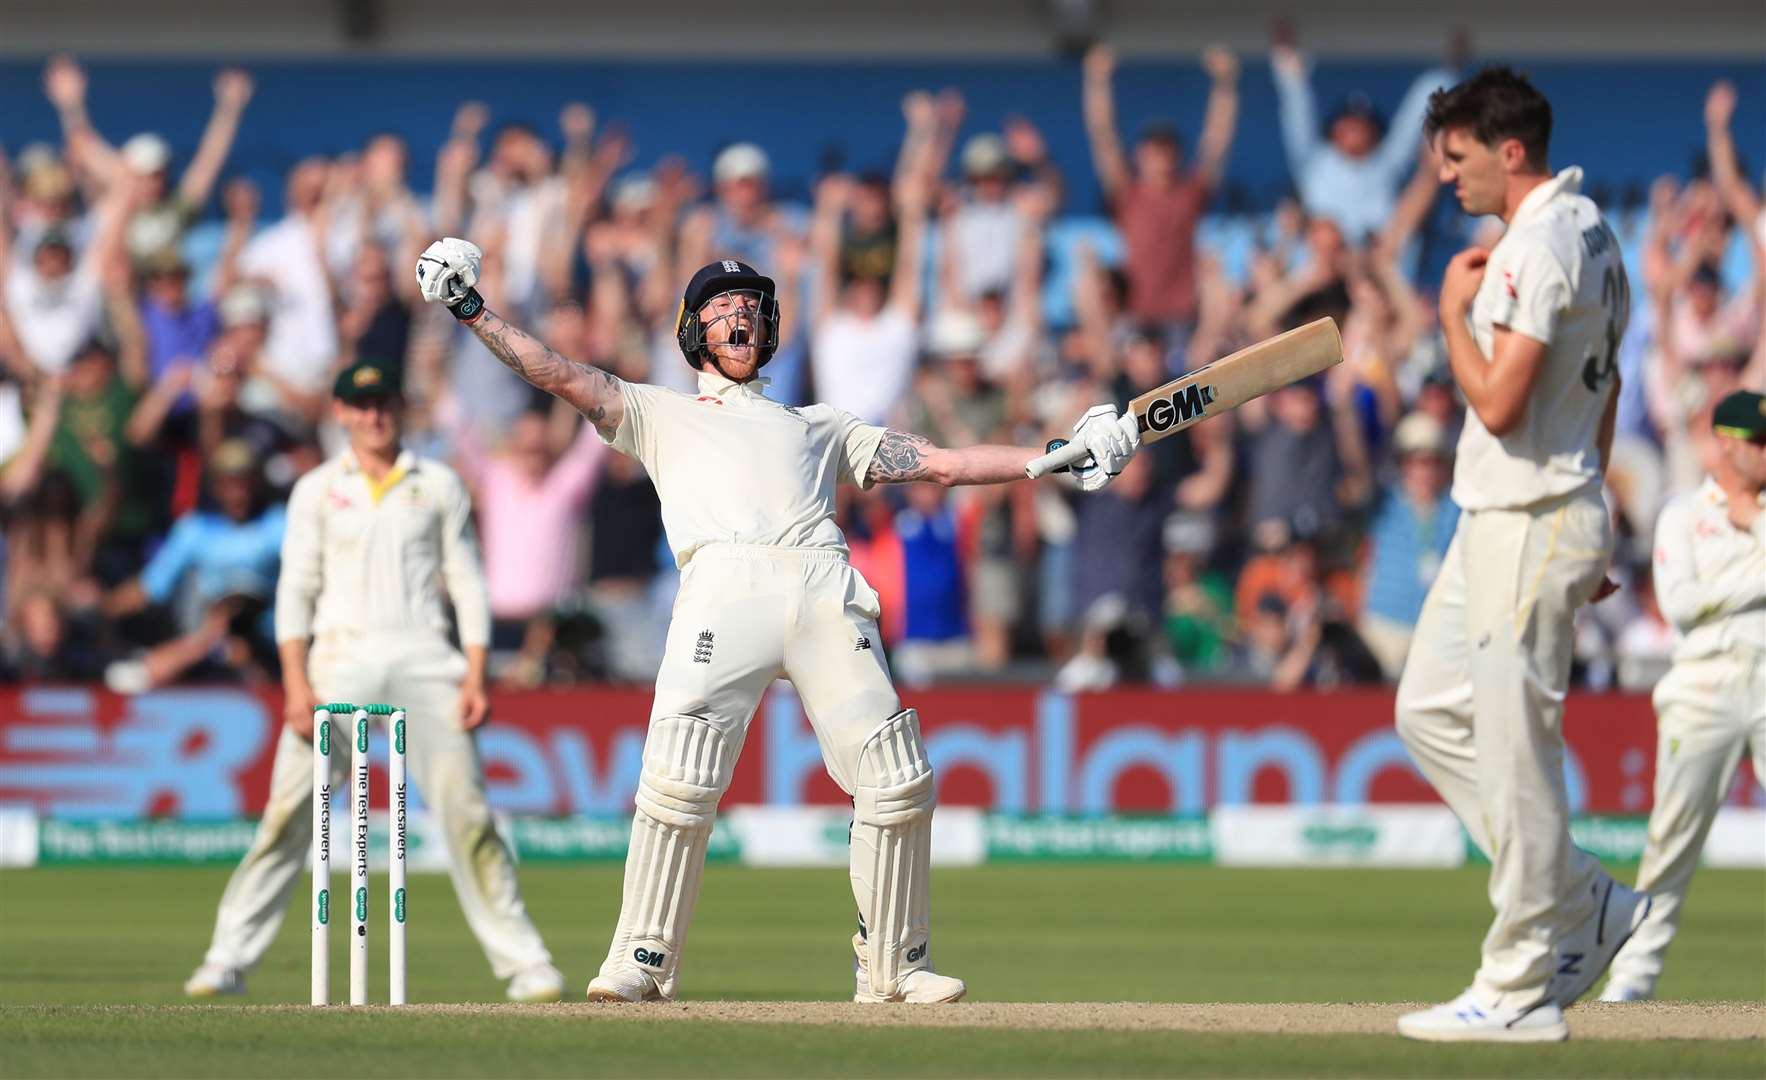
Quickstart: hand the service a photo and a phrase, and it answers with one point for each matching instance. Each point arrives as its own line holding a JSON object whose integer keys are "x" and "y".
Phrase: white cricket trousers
{"x": 1481, "y": 706}
{"x": 1708, "y": 712}
{"x": 745, "y": 616}
{"x": 424, "y": 677}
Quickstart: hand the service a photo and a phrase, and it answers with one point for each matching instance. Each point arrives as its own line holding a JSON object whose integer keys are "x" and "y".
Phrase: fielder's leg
{"x": 1534, "y": 571}
{"x": 1699, "y": 743}
{"x": 444, "y": 762}
{"x": 1434, "y": 706}
{"x": 256, "y": 896}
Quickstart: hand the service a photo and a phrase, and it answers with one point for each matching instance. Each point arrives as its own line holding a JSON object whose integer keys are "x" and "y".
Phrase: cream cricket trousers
{"x": 1708, "y": 711}
{"x": 745, "y": 616}
{"x": 424, "y": 677}
{"x": 1480, "y": 707}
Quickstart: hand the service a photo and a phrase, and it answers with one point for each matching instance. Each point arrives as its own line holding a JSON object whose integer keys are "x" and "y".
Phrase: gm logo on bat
{"x": 1189, "y": 403}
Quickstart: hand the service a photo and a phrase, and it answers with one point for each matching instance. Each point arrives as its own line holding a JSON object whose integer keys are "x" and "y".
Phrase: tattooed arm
{"x": 904, "y": 457}
{"x": 596, "y": 394}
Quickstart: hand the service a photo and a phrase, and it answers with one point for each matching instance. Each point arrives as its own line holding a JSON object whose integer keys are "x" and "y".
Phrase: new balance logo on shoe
{"x": 864, "y": 643}
{"x": 702, "y": 651}
{"x": 1570, "y": 964}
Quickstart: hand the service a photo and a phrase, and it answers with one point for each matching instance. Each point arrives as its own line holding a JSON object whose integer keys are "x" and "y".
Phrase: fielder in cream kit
{"x": 1532, "y": 328}
{"x": 1710, "y": 581}
{"x": 747, "y": 491}
{"x": 374, "y": 537}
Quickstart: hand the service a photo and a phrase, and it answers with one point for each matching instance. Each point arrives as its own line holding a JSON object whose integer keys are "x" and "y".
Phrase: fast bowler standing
{"x": 374, "y": 536}
{"x": 747, "y": 491}
{"x": 1710, "y": 580}
{"x": 1532, "y": 328}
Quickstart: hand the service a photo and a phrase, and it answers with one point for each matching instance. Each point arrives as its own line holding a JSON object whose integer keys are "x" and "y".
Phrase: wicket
{"x": 358, "y": 895}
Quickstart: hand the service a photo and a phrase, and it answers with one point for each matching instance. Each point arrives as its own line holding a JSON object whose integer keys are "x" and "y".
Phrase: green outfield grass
{"x": 75, "y": 938}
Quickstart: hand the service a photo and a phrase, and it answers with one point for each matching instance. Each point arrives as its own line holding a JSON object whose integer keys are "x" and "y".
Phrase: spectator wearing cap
{"x": 179, "y": 328}
{"x": 746, "y": 223}
{"x": 979, "y": 241}
{"x": 1198, "y": 598}
{"x": 161, "y": 212}
{"x": 1703, "y": 339}
{"x": 1305, "y": 461}
{"x": 120, "y": 506}
{"x": 284, "y": 262}
{"x": 1407, "y": 540}
{"x": 217, "y": 570}
{"x": 1196, "y": 463}
{"x": 45, "y": 200}
{"x": 866, "y": 330}
{"x": 1351, "y": 174}
{"x": 1155, "y": 202}
{"x": 55, "y": 297}
{"x": 743, "y": 222}
{"x": 955, "y": 404}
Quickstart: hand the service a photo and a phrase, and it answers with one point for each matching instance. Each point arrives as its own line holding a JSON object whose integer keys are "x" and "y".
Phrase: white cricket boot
{"x": 1618, "y": 990}
{"x": 1466, "y": 1019}
{"x": 1585, "y": 953}
{"x": 536, "y": 985}
{"x": 213, "y": 980}
{"x": 921, "y": 987}
{"x": 624, "y": 984}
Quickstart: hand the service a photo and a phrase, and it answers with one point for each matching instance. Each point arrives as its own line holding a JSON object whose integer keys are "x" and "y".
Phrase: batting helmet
{"x": 713, "y": 280}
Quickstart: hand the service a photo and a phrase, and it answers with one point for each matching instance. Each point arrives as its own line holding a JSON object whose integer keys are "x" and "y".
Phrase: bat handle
{"x": 1060, "y": 456}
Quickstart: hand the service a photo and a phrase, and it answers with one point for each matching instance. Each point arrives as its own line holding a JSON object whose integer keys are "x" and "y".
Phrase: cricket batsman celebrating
{"x": 1710, "y": 580}
{"x": 1532, "y": 327}
{"x": 373, "y": 537}
{"x": 747, "y": 492}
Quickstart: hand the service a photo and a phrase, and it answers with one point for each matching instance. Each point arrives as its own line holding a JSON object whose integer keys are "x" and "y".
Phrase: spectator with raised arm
{"x": 1155, "y": 201}
{"x": 163, "y": 211}
{"x": 866, "y": 329}
{"x": 1348, "y": 170}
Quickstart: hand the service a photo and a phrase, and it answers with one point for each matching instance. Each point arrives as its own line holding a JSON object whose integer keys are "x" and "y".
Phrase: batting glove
{"x": 446, "y": 273}
{"x": 1112, "y": 441}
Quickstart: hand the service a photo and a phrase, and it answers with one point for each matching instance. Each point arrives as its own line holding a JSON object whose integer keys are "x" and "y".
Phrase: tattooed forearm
{"x": 594, "y": 392}
{"x": 900, "y": 459}
{"x": 903, "y": 457}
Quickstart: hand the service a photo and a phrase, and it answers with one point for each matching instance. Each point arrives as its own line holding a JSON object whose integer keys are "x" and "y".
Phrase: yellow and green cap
{"x": 1741, "y": 415}
{"x": 367, "y": 379}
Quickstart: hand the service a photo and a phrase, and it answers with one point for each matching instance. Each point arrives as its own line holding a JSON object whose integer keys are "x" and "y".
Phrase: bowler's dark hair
{"x": 1494, "y": 105}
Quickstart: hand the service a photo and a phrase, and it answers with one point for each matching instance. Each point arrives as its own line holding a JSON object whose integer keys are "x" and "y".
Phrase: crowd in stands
{"x": 158, "y": 397}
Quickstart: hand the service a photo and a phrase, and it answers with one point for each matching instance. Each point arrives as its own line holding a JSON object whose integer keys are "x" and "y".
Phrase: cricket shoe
{"x": 922, "y": 987}
{"x": 1466, "y": 1019}
{"x": 1585, "y": 952}
{"x": 213, "y": 980}
{"x": 627, "y": 985}
{"x": 1623, "y": 991}
{"x": 536, "y": 985}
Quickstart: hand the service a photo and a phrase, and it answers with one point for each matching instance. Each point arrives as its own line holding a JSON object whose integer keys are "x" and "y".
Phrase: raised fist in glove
{"x": 1111, "y": 439}
{"x": 446, "y": 273}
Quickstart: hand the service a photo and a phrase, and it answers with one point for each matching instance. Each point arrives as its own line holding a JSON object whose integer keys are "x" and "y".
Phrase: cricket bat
{"x": 1214, "y": 388}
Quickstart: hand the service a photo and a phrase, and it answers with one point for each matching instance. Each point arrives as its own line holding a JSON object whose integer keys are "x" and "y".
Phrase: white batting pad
{"x": 686, "y": 768}
{"x": 892, "y": 850}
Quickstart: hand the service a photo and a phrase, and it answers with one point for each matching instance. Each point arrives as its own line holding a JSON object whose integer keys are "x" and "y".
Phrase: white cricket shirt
{"x": 733, "y": 466}
{"x": 1710, "y": 577}
{"x": 361, "y": 556}
{"x": 1556, "y": 277}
